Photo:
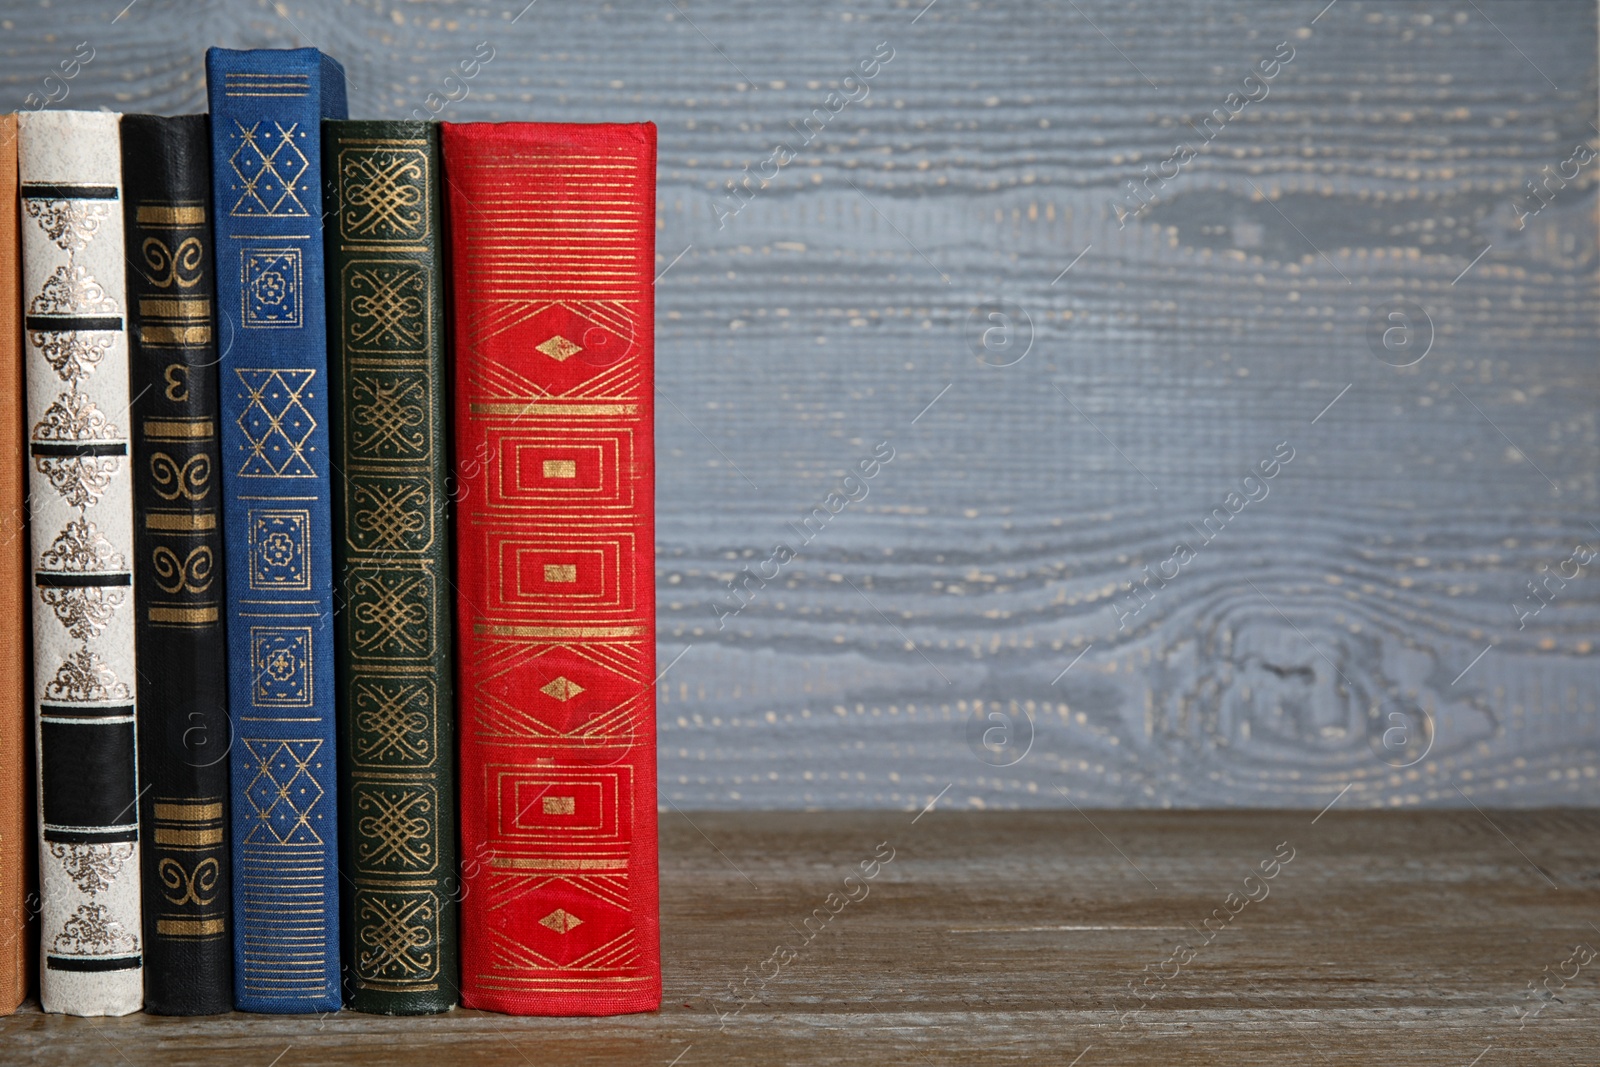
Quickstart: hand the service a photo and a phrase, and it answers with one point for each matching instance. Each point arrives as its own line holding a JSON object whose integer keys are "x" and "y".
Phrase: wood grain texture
{"x": 1014, "y": 937}
{"x": 1320, "y": 639}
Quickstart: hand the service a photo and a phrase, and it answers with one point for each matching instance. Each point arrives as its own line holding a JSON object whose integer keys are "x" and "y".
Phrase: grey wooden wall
{"x": 1067, "y": 395}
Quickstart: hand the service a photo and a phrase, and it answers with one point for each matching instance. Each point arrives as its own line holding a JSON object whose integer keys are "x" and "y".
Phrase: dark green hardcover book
{"x": 392, "y": 562}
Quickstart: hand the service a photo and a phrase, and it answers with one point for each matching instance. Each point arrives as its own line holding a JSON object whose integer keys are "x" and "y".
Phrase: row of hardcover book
{"x": 328, "y": 488}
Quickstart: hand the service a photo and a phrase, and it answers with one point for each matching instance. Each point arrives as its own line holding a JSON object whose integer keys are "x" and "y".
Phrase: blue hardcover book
{"x": 267, "y": 109}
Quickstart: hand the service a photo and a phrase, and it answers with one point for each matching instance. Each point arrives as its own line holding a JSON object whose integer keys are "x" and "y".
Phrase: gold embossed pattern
{"x": 394, "y": 667}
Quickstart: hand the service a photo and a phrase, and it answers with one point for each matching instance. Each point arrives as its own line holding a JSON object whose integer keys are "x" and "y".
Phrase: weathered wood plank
{"x": 1173, "y": 357}
{"x": 1015, "y": 938}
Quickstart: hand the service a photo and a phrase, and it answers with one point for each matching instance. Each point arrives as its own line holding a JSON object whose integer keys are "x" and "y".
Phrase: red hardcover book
{"x": 552, "y": 248}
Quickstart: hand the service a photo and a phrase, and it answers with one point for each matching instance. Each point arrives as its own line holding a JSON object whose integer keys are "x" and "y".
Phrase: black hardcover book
{"x": 178, "y": 575}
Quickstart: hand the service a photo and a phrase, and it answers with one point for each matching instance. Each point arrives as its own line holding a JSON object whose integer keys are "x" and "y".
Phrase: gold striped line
{"x": 183, "y": 307}
{"x": 189, "y": 812}
{"x": 521, "y": 159}
{"x": 557, "y": 986}
{"x": 170, "y": 215}
{"x": 177, "y": 429}
{"x": 554, "y": 409}
{"x": 183, "y": 521}
{"x": 188, "y": 837}
{"x": 175, "y": 336}
{"x": 192, "y": 616}
{"x": 496, "y": 630}
{"x": 191, "y": 927}
{"x": 384, "y": 248}
{"x": 518, "y": 864}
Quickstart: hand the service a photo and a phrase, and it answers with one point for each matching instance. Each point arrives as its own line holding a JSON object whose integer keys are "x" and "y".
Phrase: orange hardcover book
{"x": 16, "y": 826}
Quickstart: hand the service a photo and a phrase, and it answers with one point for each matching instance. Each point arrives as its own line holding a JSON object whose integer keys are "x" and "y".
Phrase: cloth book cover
{"x": 552, "y": 234}
{"x": 392, "y": 553}
{"x": 266, "y": 175}
{"x": 16, "y": 703}
{"x": 81, "y": 500}
{"x": 177, "y": 569}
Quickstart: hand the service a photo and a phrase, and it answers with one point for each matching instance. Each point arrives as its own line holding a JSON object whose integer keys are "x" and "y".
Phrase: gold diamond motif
{"x": 562, "y": 689}
{"x": 559, "y": 348}
{"x": 560, "y": 921}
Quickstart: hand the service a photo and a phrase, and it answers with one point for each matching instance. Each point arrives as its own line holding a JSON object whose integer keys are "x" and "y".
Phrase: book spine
{"x": 552, "y": 240}
{"x": 16, "y": 830}
{"x": 392, "y": 557}
{"x": 81, "y": 496}
{"x": 266, "y": 176}
{"x": 178, "y": 586}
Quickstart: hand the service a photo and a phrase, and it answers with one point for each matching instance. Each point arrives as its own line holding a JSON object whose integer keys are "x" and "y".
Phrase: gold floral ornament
{"x": 80, "y": 549}
{"x": 71, "y": 224}
{"x": 85, "y": 678}
{"x": 92, "y": 867}
{"x": 93, "y": 932}
{"x": 63, "y": 449}
{"x": 72, "y": 292}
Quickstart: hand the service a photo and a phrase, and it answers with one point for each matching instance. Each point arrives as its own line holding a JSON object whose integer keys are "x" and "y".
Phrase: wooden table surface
{"x": 1393, "y": 938}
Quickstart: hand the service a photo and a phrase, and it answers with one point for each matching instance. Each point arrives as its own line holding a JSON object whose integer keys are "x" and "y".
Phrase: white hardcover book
{"x": 81, "y": 502}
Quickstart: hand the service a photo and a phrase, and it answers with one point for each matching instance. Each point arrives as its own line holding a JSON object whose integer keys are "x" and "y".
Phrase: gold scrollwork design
{"x": 398, "y": 513}
{"x": 384, "y": 192}
{"x": 198, "y": 886}
{"x": 191, "y": 574}
{"x": 388, "y": 416}
{"x": 190, "y": 479}
{"x": 180, "y": 267}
